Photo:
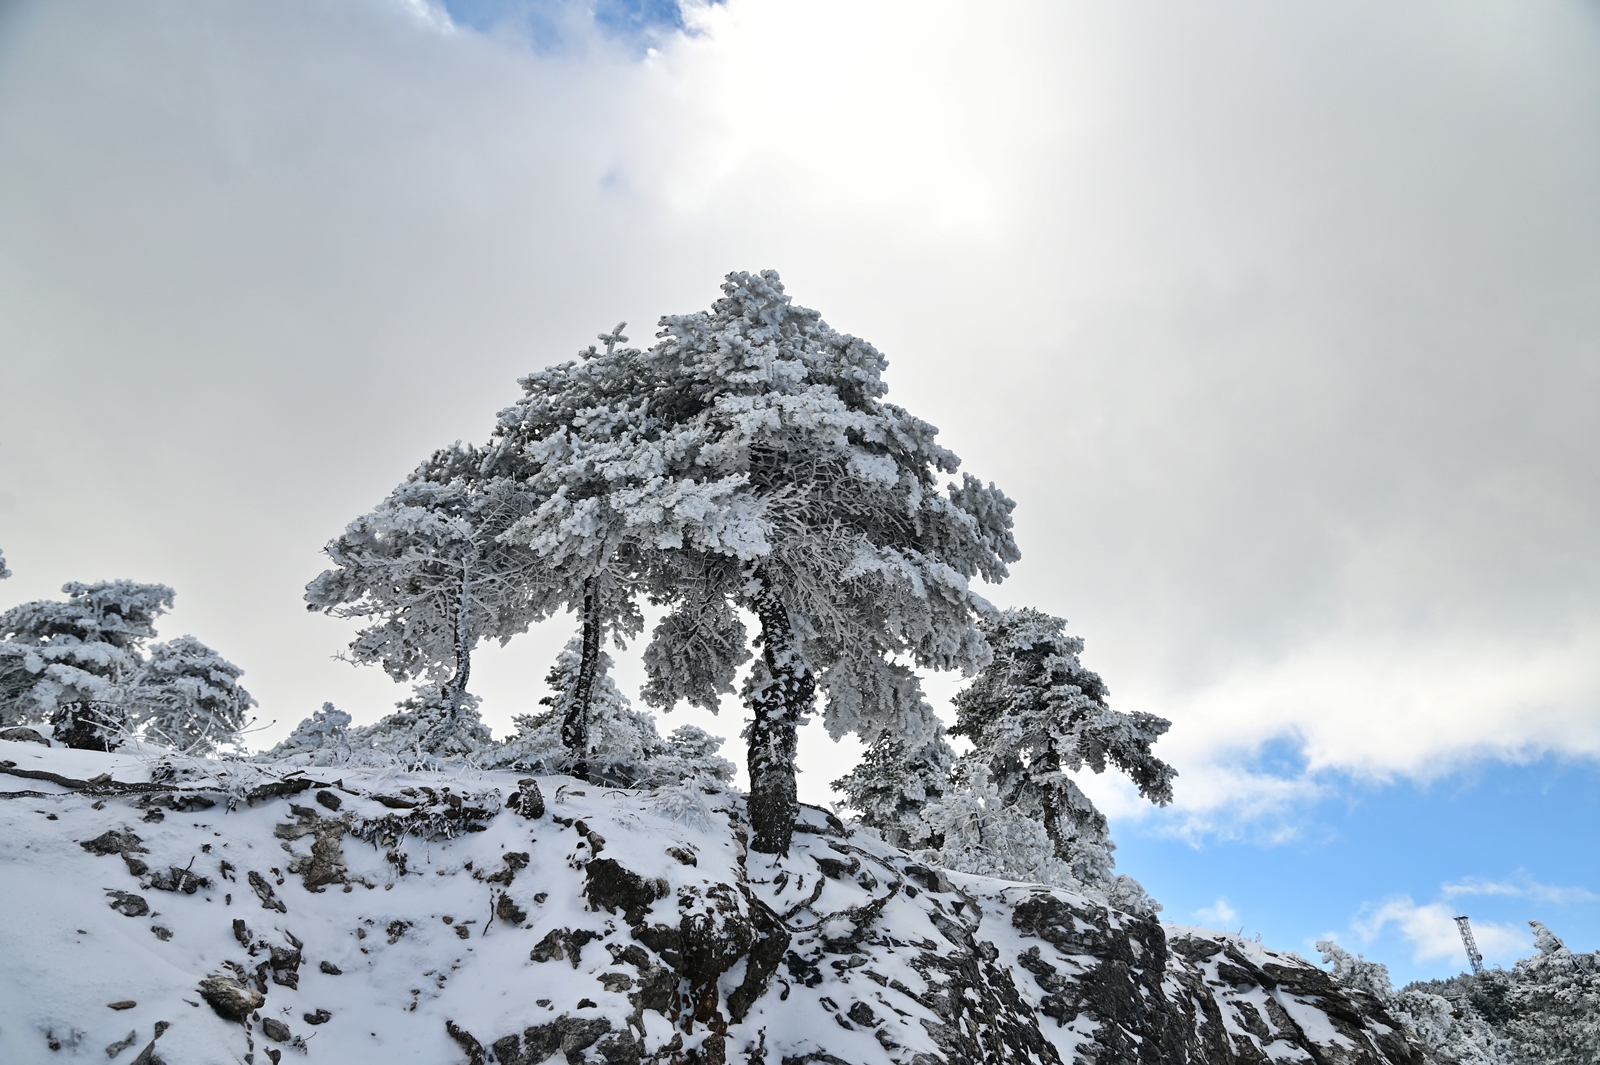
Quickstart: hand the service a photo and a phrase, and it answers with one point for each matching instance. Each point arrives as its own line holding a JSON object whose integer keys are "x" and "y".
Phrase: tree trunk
{"x": 779, "y": 706}
{"x": 575, "y": 726}
{"x": 463, "y": 671}
{"x": 456, "y": 689}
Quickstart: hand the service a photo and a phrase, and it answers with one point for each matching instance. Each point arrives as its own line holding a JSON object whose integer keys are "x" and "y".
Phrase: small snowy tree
{"x": 70, "y": 662}
{"x": 427, "y": 568}
{"x": 323, "y": 739}
{"x": 894, "y": 782}
{"x": 1034, "y": 715}
{"x": 188, "y": 697}
{"x": 4, "y": 572}
{"x": 435, "y": 726}
{"x": 623, "y": 747}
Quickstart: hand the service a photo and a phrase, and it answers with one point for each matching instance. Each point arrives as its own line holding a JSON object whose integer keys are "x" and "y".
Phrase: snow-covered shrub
{"x": 435, "y": 726}
{"x": 84, "y": 650}
{"x": 323, "y": 739}
{"x": 978, "y": 832}
{"x": 1354, "y": 970}
{"x": 894, "y": 782}
{"x": 624, "y": 749}
{"x": 685, "y": 802}
{"x": 189, "y": 698}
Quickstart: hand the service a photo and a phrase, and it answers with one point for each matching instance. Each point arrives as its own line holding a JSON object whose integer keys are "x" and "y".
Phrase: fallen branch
{"x": 100, "y": 785}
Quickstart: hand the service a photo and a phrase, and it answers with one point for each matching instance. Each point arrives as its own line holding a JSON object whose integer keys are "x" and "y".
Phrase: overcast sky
{"x": 1281, "y": 322}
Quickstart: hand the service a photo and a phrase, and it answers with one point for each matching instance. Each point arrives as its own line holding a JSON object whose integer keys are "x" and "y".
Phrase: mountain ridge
{"x": 337, "y": 913}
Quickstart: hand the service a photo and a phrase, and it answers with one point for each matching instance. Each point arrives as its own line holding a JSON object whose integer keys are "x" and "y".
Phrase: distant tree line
{"x": 1544, "y": 1010}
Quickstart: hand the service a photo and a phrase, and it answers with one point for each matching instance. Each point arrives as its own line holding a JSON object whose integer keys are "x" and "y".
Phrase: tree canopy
{"x": 746, "y": 465}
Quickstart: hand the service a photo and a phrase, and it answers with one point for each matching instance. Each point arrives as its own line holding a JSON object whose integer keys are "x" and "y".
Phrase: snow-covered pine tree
{"x": 428, "y": 569}
{"x": 893, "y": 783}
{"x": 1553, "y": 1001}
{"x": 1035, "y": 714}
{"x": 435, "y": 726}
{"x": 323, "y": 739}
{"x": 612, "y": 519}
{"x": 566, "y": 432}
{"x": 623, "y": 747}
{"x": 4, "y": 572}
{"x": 69, "y": 661}
{"x": 860, "y": 564}
{"x": 188, "y": 697}
{"x": 972, "y": 829}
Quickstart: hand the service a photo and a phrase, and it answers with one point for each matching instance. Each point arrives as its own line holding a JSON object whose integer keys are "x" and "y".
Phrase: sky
{"x": 1281, "y": 323}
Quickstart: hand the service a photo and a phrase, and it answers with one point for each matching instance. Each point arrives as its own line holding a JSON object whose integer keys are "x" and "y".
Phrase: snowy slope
{"x": 421, "y": 918}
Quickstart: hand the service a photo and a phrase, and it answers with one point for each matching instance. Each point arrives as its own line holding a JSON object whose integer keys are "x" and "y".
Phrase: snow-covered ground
{"x": 431, "y": 917}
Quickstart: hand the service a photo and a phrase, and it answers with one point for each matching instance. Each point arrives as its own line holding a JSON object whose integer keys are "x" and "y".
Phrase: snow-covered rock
{"x": 248, "y": 913}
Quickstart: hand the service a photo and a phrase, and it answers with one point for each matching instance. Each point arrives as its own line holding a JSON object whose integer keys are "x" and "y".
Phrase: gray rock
{"x": 20, "y": 734}
{"x": 128, "y": 904}
{"x": 179, "y": 879}
{"x": 527, "y": 800}
{"x": 567, "y": 1036}
{"x": 275, "y": 1030}
{"x": 263, "y": 889}
{"x": 563, "y": 941}
{"x": 610, "y": 886}
{"x": 231, "y": 1000}
{"x": 508, "y": 911}
{"x": 467, "y": 1042}
{"x": 114, "y": 842}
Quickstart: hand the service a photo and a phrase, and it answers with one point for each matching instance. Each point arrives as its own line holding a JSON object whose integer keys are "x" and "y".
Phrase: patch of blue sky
{"x": 545, "y": 24}
{"x": 1383, "y": 868}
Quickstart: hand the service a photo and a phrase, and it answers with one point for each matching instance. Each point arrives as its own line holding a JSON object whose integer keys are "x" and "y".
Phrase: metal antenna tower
{"x": 1471, "y": 944}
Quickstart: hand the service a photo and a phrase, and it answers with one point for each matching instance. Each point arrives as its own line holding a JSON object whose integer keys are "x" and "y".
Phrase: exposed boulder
{"x": 232, "y": 1000}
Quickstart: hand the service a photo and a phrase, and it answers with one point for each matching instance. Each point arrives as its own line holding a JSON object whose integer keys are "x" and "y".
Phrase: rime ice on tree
{"x": 427, "y": 568}
{"x": 188, "y": 697}
{"x": 624, "y": 749}
{"x": 863, "y": 563}
{"x": 1035, "y": 714}
{"x": 57, "y": 655}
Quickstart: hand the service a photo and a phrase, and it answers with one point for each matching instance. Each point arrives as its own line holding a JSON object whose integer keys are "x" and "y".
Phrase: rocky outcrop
{"x": 520, "y": 923}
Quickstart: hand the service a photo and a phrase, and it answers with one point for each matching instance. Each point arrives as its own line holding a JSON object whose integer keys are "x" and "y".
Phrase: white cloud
{"x": 1278, "y": 321}
{"x": 1219, "y": 914}
{"x": 1431, "y": 930}
{"x": 1520, "y": 886}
